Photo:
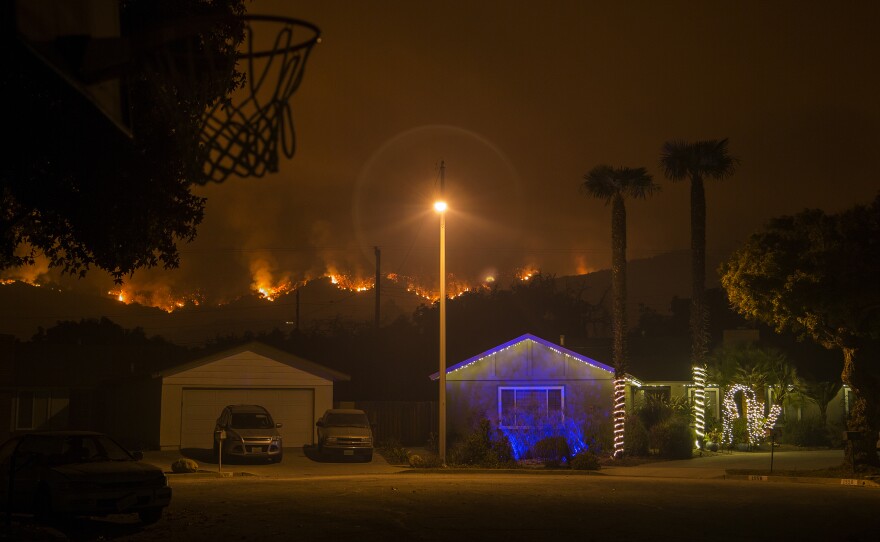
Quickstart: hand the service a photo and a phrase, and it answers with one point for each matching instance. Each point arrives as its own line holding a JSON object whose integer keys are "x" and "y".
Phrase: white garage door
{"x": 293, "y": 408}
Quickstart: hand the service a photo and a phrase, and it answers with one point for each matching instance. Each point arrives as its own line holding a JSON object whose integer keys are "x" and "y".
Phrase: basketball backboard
{"x": 75, "y": 38}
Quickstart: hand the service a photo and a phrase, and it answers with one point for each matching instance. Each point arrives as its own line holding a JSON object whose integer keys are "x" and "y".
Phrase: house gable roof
{"x": 266, "y": 351}
{"x": 527, "y": 337}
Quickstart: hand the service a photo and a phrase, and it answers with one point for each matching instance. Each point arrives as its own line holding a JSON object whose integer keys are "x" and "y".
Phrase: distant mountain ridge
{"x": 24, "y": 308}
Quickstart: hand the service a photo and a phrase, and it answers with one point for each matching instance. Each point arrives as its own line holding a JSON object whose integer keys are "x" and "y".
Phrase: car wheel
{"x": 148, "y": 516}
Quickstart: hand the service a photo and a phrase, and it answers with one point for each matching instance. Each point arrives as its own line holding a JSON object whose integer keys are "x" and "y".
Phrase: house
{"x": 529, "y": 382}
{"x": 530, "y": 388}
{"x": 176, "y": 408}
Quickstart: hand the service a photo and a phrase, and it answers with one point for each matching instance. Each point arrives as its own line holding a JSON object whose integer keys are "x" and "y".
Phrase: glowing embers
{"x": 756, "y": 423}
{"x": 159, "y": 297}
{"x": 526, "y": 273}
{"x": 619, "y": 415}
{"x": 273, "y": 292}
{"x": 700, "y": 402}
{"x": 345, "y": 282}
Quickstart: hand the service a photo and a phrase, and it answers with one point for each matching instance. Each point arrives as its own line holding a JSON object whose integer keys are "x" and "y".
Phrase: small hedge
{"x": 673, "y": 438}
{"x": 585, "y": 460}
{"x": 806, "y": 432}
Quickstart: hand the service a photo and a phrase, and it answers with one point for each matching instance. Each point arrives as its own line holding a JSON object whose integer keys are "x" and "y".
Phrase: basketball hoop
{"x": 244, "y": 135}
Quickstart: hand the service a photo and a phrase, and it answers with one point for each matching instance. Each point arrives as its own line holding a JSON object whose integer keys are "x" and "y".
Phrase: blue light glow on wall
{"x": 524, "y": 438}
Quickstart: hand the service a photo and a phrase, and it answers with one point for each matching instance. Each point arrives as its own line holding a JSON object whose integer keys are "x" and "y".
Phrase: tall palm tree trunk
{"x": 618, "y": 284}
{"x": 618, "y": 287}
{"x": 699, "y": 321}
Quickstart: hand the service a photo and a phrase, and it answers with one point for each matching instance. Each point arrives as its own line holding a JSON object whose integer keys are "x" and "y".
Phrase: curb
{"x": 804, "y": 480}
{"x": 207, "y": 474}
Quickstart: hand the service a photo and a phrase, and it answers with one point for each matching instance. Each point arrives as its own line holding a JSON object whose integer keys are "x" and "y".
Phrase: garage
{"x": 294, "y": 390}
{"x": 293, "y": 408}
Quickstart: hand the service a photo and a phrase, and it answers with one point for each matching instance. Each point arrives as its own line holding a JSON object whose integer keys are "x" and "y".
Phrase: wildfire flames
{"x": 344, "y": 282}
{"x": 270, "y": 288}
{"x": 161, "y": 298}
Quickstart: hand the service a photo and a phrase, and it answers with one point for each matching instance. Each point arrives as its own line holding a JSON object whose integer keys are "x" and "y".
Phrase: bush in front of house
{"x": 553, "y": 451}
{"x": 810, "y": 431}
{"x": 393, "y": 452}
{"x": 428, "y": 461}
{"x": 483, "y": 447}
{"x": 673, "y": 438}
{"x": 635, "y": 442}
{"x": 585, "y": 460}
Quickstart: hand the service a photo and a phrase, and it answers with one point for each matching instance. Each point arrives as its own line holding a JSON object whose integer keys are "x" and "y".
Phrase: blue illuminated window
{"x": 530, "y": 406}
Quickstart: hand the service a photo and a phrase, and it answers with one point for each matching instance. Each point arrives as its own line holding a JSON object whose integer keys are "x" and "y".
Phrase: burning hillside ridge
{"x": 269, "y": 284}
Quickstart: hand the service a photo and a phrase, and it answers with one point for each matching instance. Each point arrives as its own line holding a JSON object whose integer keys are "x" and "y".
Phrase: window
{"x": 525, "y": 406}
{"x": 40, "y": 409}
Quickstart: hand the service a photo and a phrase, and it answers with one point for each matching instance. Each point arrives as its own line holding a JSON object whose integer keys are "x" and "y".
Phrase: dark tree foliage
{"x": 100, "y": 348}
{"x": 78, "y": 191}
{"x": 815, "y": 275}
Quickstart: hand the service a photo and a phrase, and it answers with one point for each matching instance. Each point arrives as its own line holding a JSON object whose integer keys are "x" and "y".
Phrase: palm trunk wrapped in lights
{"x": 699, "y": 372}
{"x": 619, "y": 414}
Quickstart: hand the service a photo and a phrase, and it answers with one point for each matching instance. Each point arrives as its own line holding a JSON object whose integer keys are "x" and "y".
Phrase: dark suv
{"x": 345, "y": 433}
{"x": 248, "y": 432}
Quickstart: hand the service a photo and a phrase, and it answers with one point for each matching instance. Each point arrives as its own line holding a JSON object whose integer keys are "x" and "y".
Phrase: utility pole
{"x": 378, "y": 282}
{"x": 442, "y": 420}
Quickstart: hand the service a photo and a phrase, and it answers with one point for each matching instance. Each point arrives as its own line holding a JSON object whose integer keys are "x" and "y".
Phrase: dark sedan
{"x": 78, "y": 473}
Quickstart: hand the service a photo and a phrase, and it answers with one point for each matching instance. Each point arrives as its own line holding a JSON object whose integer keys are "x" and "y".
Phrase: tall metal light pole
{"x": 440, "y": 207}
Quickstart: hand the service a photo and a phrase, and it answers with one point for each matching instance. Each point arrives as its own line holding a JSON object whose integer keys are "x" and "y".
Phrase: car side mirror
{"x": 137, "y": 455}
{"x": 278, "y": 425}
{"x": 319, "y": 423}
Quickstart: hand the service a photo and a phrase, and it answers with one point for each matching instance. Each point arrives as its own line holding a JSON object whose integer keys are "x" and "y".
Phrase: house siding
{"x": 472, "y": 390}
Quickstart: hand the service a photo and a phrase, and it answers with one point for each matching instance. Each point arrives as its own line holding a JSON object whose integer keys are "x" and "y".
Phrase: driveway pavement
{"x": 297, "y": 462}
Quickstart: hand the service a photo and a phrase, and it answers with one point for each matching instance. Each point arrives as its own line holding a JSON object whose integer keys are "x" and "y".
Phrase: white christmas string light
{"x": 756, "y": 424}
{"x": 700, "y": 403}
{"x": 619, "y": 415}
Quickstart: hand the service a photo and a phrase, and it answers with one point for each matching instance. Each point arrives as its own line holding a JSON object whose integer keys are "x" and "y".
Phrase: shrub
{"x": 635, "y": 437}
{"x": 552, "y": 450}
{"x": 394, "y": 453}
{"x": 424, "y": 462}
{"x": 673, "y": 438}
{"x": 740, "y": 431}
{"x": 585, "y": 460}
{"x": 479, "y": 448}
{"x": 806, "y": 432}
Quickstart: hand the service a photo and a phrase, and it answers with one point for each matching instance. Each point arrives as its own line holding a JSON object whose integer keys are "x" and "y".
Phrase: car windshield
{"x": 337, "y": 419}
{"x": 71, "y": 449}
{"x": 251, "y": 420}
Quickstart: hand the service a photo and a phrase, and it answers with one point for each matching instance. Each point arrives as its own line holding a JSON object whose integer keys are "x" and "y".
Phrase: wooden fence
{"x": 409, "y": 423}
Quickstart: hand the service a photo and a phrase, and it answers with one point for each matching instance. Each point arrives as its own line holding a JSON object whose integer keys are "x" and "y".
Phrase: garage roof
{"x": 264, "y": 350}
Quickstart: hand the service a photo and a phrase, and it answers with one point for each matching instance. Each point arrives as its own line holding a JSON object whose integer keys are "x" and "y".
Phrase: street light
{"x": 440, "y": 207}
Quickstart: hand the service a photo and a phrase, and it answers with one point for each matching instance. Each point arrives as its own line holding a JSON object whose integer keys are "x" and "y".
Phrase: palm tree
{"x": 696, "y": 161}
{"x": 614, "y": 185}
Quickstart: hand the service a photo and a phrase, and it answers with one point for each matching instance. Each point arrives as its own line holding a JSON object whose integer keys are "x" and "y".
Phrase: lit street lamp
{"x": 440, "y": 207}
